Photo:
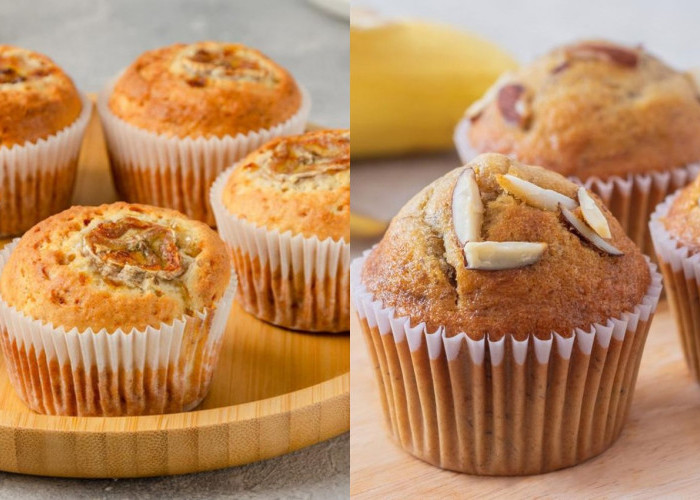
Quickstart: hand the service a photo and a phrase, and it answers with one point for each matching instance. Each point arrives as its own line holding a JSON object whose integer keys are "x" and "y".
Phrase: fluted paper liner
{"x": 681, "y": 270}
{"x": 286, "y": 279}
{"x": 37, "y": 179}
{"x": 101, "y": 373}
{"x": 174, "y": 172}
{"x": 631, "y": 199}
{"x": 503, "y": 407}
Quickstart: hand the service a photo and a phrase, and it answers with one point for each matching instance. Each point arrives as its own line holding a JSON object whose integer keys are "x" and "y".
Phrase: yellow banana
{"x": 411, "y": 82}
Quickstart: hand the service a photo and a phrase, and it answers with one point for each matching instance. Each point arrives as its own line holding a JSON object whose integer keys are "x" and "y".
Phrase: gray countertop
{"x": 92, "y": 40}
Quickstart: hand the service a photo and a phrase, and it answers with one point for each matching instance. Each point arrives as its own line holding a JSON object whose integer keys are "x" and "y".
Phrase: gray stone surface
{"x": 94, "y": 39}
{"x": 320, "y": 471}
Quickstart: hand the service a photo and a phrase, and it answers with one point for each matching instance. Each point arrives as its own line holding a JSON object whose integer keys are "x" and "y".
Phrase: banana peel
{"x": 411, "y": 82}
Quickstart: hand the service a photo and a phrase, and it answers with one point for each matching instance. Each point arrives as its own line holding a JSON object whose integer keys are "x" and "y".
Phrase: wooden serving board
{"x": 274, "y": 391}
{"x": 657, "y": 455}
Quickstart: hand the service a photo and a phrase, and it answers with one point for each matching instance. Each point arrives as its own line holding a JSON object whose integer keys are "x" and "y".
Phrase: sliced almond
{"x": 467, "y": 208}
{"x": 587, "y": 233}
{"x": 477, "y": 107}
{"x": 592, "y": 214}
{"x": 532, "y": 194}
{"x": 499, "y": 255}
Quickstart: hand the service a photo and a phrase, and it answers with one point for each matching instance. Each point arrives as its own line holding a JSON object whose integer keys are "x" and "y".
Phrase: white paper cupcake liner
{"x": 37, "y": 179}
{"x": 177, "y": 173}
{"x": 503, "y": 407}
{"x": 681, "y": 270}
{"x": 631, "y": 199}
{"x": 286, "y": 279}
{"x": 101, "y": 373}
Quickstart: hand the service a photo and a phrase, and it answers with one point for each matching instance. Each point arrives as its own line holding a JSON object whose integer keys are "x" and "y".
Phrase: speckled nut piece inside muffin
{"x": 600, "y": 112}
{"x": 284, "y": 211}
{"x": 42, "y": 119}
{"x": 120, "y": 308}
{"x": 675, "y": 231}
{"x": 198, "y": 108}
{"x": 506, "y": 312}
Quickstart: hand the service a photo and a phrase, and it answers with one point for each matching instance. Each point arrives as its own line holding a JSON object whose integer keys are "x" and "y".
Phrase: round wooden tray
{"x": 274, "y": 391}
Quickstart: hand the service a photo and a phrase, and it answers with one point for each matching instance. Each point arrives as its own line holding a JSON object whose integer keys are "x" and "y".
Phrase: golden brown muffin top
{"x": 204, "y": 89}
{"x": 115, "y": 266}
{"x": 422, "y": 269}
{"x": 683, "y": 217}
{"x": 592, "y": 108}
{"x": 37, "y": 99}
{"x": 297, "y": 183}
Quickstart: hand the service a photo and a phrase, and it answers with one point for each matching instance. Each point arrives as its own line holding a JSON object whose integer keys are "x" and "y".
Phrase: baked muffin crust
{"x": 592, "y": 108}
{"x": 299, "y": 184}
{"x": 204, "y": 89}
{"x": 37, "y": 99}
{"x": 115, "y": 266}
{"x": 419, "y": 266}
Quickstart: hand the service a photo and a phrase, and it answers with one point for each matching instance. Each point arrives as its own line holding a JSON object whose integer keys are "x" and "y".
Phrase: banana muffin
{"x": 179, "y": 115}
{"x": 609, "y": 115}
{"x": 114, "y": 310}
{"x": 506, "y": 312}
{"x": 285, "y": 212}
{"x": 42, "y": 119}
{"x": 675, "y": 231}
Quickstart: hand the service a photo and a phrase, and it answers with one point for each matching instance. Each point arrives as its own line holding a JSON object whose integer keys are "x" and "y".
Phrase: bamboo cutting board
{"x": 657, "y": 455}
{"x": 274, "y": 391}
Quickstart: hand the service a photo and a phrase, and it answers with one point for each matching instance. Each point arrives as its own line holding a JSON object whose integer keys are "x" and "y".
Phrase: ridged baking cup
{"x": 503, "y": 407}
{"x": 631, "y": 199}
{"x": 137, "y": 372}
{"x": 173, "y": 172}
{"x": 37, "y": 179}
{"x": 286, "y": 279}
{"x": 681, "y": 270}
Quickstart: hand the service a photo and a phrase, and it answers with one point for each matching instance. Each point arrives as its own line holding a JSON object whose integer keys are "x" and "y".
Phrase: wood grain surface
{"x": 657, "y": 455}
{"x": 274, "y": 391}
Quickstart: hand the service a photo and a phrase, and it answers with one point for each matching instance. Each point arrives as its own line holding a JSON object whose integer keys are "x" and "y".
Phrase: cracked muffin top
{"x": 115, "y": 266}
{"x": 498, "y": 247}
{"x": 37, "y": 99}
{"x": 297, "y": 183}
{"x": 592, "y": 108}
{"x": 683, "y": 217}
{"x": 204, "y": 89}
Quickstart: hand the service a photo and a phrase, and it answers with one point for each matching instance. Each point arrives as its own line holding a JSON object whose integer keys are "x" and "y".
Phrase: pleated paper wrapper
{"x": 99, "y": 373}
{"x": 503, "y": 407}
{"x": 287, "y": 279}
{"x": 681, "y": 270}
{"x": 37, "y": 179}
{"x": 631, "y": 199}
{"x": 157, "y": 169}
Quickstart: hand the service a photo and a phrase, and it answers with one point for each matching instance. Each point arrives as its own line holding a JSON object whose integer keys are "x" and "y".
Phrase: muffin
{"x": 179, "y": 115}
{"x": 42, "y": 121}
{"x": 615, "y": 118}
{"x": 505, "y": 312}
{"x": 284, "y": 211}
{"x": 675, "y": 231}
{"x": 114, "y": 310}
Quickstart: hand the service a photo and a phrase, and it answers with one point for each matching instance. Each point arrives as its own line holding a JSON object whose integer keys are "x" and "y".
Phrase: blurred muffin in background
{"x": 616, "y": 118}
